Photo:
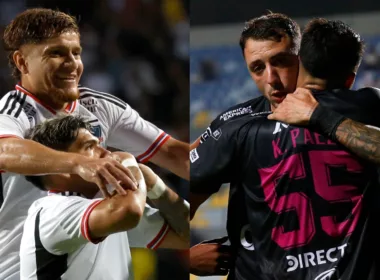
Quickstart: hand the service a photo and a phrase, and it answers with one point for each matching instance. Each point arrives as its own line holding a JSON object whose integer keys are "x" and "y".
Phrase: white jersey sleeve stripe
{"x": 161, "y": 139}
{"x": 84, "y": 223}
{"x": 155, "y": 243}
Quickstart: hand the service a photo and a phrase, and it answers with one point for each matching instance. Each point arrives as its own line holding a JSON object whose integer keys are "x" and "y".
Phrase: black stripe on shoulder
{"x": 22, "y": 105}
{"x": 11, "y": 111}
{"x": 48, "y": 266}
{"x": 87, "y": 92}
{"x": 84, "y": 89}
{"x": 9, "y": 99}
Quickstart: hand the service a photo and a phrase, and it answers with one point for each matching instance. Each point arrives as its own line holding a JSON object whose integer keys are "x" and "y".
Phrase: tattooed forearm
{"x": 176, "y": 212}
{"x": 360, "y": 139}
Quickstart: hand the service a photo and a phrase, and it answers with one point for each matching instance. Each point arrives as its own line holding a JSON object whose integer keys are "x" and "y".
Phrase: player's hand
{"x": 105, "y": 171}
{"x": 210, "y": 258}
{"x": 296, "y": 109}
{"x": 149, "y": 176}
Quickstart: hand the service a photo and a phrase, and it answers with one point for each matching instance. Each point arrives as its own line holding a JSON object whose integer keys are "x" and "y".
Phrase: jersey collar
{"x": 68, "y": 109}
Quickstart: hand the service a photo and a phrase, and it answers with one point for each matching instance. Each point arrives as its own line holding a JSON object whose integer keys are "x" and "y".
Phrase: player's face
{"x": 88, "y": 145}
{"x": 273, "y": 66}
{"x": 54, "y": 68}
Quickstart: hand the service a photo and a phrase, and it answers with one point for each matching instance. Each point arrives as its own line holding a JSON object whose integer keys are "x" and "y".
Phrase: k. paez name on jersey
{"x": 298, "y": 137}
{"x": 236, "y": 112}
{"x": 208, "y": 133}
{"x": 316, "y": 258}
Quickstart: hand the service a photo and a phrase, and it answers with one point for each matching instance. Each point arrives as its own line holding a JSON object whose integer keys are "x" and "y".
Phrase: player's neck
{"x": 306, "y": 80}
{"x": 310, "y": 82}
{"x": 47, "y": 101}
{"x": 43, "y": 97}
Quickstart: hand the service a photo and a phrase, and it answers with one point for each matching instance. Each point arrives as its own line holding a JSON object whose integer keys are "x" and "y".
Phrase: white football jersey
{"x": 113, "y": 121}
{"x": 56, "y": 242}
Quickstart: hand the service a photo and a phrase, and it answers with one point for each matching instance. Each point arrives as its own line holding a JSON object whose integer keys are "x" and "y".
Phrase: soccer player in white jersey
{"x": 70, "y": 235}
{"x": 45, "y": 54}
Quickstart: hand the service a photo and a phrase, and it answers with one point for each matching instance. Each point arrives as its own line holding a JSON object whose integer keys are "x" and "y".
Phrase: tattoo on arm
{"x": 360, "y": 139}
{"x": 176, "y": 212}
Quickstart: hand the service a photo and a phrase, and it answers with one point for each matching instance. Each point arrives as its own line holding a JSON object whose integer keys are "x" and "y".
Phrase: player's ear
{"x": 350, "y": 80}
{"x": 20, "y": 61}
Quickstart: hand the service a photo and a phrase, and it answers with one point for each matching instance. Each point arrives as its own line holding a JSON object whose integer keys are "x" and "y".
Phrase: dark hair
{"x": 34, "y": 26}
{"x": 273, "y": 26}
{"x": 57, "y": 133}
{"x": 330, "y": 50}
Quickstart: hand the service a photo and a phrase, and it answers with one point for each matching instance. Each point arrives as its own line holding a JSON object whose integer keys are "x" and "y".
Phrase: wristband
{"x": 157, "y": 190}
{"x": 129, "y": 162}
{"x": 326, "y": 121}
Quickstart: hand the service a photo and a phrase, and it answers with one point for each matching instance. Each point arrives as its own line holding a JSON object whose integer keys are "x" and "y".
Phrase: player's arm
{"x": 212, "y": 164}
{"x": 173, "y": 241}
{"x": 130, "y": 132}
{"x": 360, "y": 139}
{"x": 301, "y": 108}
{"x": 121, "y": 212}
{"x": 197, "y": 200}
{"x": 174, "y": 156}
{"x": 172, "y": 207}
{"x": 23, "y": 156}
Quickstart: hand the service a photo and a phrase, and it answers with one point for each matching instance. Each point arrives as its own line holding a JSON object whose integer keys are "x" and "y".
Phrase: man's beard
{"x": 56, "y": 97}
{"x": 62, "y": 96}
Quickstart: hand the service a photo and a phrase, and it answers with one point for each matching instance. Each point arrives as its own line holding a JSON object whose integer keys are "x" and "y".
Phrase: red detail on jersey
{"x": 51, "y": 110}
{"x": 10, "y": 136}
{"x": 156, "y": 242}
{"x": 84, "y": 224}
{"x": 152, "y": 150}
{"x": 69, "y": 108}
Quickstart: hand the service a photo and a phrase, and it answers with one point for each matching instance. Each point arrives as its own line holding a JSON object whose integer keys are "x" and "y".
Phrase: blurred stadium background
{"x": 137, "y": 50}
{"x": 219, "y": 78}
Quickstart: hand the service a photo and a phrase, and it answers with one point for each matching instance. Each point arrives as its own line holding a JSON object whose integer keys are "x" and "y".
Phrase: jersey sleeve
{"x": 226, "y": 116}
{"x": 63, "y": 226}
{"x": 151, "y": 230}
{"x": 213, "y": 127}
{"x": 130, "y": 132}
{"x": 13, "y": 120}
{"x": 211, "y": 163}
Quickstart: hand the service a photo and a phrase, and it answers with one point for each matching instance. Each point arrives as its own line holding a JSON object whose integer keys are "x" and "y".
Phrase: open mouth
{"x": 67, "y": 79}
{"x": 278, "y": 96}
